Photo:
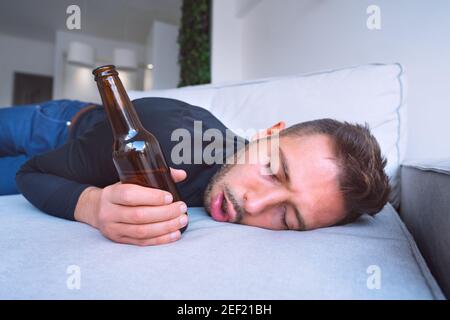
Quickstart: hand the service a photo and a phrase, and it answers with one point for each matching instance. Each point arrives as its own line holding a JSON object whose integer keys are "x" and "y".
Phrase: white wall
{"x": 74, "y": 82}
{"x": 164, "y": 55}
{"x": 22, "y": 55}
{"x": 226, "y": 46}
{"x": 275, "y": 38}
{"x": 148, "y": 79}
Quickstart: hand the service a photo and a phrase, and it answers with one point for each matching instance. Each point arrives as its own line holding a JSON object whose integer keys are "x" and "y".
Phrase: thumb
{"x": 178, "y": 175}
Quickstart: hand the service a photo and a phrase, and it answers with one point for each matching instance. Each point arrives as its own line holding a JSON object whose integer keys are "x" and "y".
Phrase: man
{"x": 330, "y": 173}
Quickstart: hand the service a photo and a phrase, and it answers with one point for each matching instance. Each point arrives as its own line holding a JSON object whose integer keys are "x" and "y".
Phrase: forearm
{"x": 88, "y": 206}
{"x": 54, "y": 181}
{"x": 51, "y": 194}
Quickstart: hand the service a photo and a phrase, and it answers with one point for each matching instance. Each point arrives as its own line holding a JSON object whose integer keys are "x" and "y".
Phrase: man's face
{"x": 303, "y": 194}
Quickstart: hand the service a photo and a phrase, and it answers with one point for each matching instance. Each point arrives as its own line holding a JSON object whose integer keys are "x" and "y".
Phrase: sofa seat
{"x": 373, "y": 258}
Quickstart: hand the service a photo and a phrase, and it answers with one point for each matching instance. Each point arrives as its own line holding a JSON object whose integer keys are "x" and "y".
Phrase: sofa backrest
{"x": 374, "y": 94}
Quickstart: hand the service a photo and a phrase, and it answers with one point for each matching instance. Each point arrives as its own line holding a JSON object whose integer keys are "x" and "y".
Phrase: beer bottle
{"x": 137, "y": 154}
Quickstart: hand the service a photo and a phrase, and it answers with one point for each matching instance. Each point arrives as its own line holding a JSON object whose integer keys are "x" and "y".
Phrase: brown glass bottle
{"x": 137, "y": 154}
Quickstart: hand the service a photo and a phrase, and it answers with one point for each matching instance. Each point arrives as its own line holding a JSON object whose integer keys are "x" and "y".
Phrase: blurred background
{"x": 38, "y": 49}
{"x": 161, "y": 44}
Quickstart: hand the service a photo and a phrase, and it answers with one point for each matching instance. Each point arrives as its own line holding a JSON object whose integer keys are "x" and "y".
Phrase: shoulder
{"x": 155, "y": 109}
{"x": 156, "y": 104}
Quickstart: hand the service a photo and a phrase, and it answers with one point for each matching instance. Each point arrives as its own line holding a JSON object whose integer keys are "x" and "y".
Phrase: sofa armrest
{"x": 425, "y": 209}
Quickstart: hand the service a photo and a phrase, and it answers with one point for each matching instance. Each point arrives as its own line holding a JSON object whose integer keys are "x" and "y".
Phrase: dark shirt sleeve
{"x": 54, "y": 181}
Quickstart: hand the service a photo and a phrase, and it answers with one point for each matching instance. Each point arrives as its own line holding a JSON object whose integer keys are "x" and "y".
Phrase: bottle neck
{"x": 122, "y": 116}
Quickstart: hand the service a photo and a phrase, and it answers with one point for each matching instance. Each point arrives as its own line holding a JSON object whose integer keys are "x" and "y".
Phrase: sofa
{"x": 400, "y": 253}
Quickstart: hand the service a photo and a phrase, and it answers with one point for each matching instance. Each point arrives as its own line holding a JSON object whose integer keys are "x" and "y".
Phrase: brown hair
{"x": 362, "y": 179}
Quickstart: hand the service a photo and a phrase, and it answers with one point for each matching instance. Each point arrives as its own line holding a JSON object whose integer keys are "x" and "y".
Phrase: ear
{"x": 269, "y": 131}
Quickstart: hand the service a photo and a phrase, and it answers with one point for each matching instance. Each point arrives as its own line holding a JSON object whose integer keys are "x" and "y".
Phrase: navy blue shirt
{"x": 54, "y": 181}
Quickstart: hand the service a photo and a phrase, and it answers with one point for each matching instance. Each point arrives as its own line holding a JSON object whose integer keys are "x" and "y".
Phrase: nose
{"x": 256, "y": 203}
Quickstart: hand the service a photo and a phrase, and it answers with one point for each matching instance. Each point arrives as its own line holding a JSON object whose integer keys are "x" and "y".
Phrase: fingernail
{"x": 168, "y": 198}
{"x": 183, "y": 220}
{"x": 174, "y": 235}
{"x": 183, "y": 208}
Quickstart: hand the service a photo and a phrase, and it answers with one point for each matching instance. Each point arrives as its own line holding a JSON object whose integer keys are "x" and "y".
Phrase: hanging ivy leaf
{"x": 195, "y": 43}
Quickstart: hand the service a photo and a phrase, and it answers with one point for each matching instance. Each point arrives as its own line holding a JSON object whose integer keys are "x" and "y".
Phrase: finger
{"x": 150, "y": 214}
{"x": 164, "y": 239}
{"x": 152, "y": 230}
{"x": 178, "y": 175}
{"x": 134, "y": 195}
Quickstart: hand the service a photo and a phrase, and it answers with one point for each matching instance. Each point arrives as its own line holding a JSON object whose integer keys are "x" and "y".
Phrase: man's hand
{"x": 128, "y": 213}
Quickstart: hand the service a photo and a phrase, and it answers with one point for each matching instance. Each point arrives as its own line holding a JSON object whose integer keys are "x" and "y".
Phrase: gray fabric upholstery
{"x": 425, "y": 209}
{"x": 212, "y": 261}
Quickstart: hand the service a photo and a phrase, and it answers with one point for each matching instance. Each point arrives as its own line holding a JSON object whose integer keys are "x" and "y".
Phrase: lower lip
{"x": 216, "y": 208}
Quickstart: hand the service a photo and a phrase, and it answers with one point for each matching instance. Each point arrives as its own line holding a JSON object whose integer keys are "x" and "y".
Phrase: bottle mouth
{"x": 103, "y": 71}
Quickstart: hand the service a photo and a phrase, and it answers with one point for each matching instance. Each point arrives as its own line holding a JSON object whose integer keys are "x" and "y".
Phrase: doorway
{"x": 31, "y": 88}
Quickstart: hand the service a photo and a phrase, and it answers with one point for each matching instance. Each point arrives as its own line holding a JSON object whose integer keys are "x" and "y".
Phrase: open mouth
{"x": 218, "y": 211}
{"x": 221, "y": 208}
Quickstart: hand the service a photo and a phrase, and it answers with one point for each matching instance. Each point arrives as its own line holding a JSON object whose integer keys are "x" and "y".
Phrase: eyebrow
{"x": 285, "y": 167}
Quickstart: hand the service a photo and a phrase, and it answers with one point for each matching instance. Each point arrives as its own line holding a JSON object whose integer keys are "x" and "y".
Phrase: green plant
{"x": 195, "y": 44}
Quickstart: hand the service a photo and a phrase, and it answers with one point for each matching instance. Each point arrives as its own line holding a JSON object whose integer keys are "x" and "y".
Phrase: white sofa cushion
{"x": 370, "y": 93}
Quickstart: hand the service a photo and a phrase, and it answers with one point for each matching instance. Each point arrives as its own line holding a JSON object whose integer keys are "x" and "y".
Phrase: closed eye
{"x": 283, "y": 218}
{"x": 269, "y": 172}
